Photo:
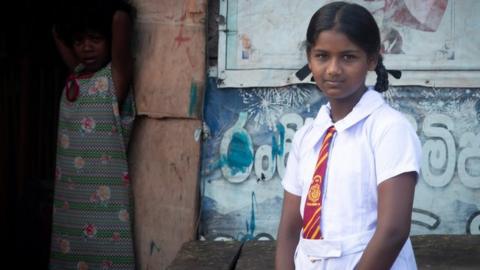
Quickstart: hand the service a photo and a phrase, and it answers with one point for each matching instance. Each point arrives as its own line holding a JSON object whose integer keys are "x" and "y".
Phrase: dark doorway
{"x": 31, "y": 79}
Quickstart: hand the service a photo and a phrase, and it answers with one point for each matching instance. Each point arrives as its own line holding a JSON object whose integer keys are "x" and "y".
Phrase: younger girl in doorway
{"x": 351, "y": 173}
{"x": 91, "y": 226}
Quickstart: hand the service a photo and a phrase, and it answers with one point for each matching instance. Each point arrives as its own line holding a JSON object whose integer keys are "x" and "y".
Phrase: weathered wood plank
{"x": 257, "y": 255}
{"x": 164, "y": 165}
{"x": 170, "y": 69}
{"x": 206, "y": 255}
{"x": 439, "y": 252}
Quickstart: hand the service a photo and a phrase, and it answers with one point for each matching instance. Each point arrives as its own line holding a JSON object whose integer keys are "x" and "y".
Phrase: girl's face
{"x": 92, "y": 50}
{"x": 339, "y": 67}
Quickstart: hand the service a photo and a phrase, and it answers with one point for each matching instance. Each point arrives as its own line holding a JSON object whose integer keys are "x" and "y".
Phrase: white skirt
{"x": 344, "y": 253}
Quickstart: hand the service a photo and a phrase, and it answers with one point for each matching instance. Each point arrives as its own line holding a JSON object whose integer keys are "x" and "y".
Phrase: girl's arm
{"x": 288, "y": 232}
{"x": 65, "y": 52}
{"x": 395, "y": 203}
{"x": 122, "y": 60}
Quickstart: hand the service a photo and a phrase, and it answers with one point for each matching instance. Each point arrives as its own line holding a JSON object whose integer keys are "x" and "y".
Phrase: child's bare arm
{"x": 288, "y": 232}
{"x": 65, "y": 52}
{"x": 122, "y": 60}
{"x": 395, "y": 202}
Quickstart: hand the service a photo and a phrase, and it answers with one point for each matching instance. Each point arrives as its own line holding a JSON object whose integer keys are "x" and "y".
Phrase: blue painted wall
{"x": 249, "y": 136}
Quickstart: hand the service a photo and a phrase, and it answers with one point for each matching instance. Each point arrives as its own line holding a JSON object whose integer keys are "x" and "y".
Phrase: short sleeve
{"x": 290, "y": 180}
{"x": 397, "y": 150}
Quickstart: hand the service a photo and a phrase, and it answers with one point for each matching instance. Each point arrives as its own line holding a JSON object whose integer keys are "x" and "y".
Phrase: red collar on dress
{"x": 71, "y": 86}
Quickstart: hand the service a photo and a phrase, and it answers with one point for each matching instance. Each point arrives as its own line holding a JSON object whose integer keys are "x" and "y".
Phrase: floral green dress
{"x": 92, "y": 226}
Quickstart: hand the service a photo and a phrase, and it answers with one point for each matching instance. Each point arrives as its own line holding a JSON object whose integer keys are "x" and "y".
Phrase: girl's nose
{"x": 333, "y": 68}
{"x": 87, "y": 44}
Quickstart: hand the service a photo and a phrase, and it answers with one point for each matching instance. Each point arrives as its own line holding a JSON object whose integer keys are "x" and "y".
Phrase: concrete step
{"x": 432, "y": 252}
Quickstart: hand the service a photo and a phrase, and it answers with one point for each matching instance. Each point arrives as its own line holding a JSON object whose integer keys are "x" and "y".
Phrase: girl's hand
{"x": 65, "y": 51}
{"x": 288, "y": 232}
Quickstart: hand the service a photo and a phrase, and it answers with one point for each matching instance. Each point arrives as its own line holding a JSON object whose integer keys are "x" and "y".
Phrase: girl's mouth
{"x": 333, "y": 83}
{"x": 89, "y": 61}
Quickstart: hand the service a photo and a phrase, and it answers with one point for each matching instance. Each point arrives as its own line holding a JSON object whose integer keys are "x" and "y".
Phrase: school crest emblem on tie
{"x": 314, "y": 193}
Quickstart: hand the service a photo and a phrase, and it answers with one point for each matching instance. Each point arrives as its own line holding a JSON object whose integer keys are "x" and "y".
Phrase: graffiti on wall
{"x": 249, "y": 137}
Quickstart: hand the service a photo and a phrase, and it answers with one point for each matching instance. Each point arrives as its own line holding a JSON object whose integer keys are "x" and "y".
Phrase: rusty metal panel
{"x": 170, "y": 60}
{"x": 164, "y": 167}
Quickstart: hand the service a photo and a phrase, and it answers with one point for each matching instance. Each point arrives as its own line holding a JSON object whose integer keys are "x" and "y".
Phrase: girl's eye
{"x": 321, "y": 56}
{"x": 77, "y": 42}
{"x": 95, "y": 37}
{"x": 349, "y": 57}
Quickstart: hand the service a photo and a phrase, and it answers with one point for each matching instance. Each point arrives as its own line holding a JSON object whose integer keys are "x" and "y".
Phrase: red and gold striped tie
{"x": 313, "y": 204}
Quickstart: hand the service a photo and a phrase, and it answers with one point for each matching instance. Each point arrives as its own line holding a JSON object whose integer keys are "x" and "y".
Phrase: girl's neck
{"x": 340, "y": 108}
{"x": 82, "y": 70}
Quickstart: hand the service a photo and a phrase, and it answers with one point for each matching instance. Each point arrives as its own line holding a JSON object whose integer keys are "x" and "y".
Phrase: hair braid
{"x": 382, "y": 76}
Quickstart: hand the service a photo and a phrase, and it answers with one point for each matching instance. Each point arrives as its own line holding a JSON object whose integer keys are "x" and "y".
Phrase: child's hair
{"x": 358, "y": 24}
{"x": 85, "y": 16}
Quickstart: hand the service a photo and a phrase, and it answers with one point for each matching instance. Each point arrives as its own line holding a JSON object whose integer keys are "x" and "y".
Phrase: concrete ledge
{"x": 438, "y": 252}
{"x": 207, "y": 255}
{"x": 257, "y": 255}
{"x": 442, "y": 252}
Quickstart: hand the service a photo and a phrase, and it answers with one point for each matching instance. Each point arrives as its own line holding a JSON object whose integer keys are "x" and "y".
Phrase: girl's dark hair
{"x": 85, "y": 16}
{"x": 358, "y": 24}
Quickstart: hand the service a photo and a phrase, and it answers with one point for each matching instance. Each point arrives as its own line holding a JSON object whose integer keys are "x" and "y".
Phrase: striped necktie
{"x": 313, "y": 204}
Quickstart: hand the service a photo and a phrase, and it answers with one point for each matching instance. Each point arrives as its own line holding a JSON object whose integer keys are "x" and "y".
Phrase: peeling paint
{"x": 153, "y": 247}
{"x": 197, "y": 134}
{"x": 278, "y": 147}
{"x": 193, "y": 99}
{"x": 236, "y": 151}
{"x": 239, "y": 157}
{"x": 180, "y": 38}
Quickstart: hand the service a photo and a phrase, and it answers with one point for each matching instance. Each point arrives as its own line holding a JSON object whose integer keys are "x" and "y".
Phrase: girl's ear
{"x": 372, "y": 62}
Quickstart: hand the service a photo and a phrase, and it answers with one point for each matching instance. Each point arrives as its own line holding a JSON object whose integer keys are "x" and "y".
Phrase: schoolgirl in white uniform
{"x": 351, "y": 173}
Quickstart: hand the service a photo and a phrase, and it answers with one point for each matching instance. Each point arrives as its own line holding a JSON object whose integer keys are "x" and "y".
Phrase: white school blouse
{"x": 373, "y": 143}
